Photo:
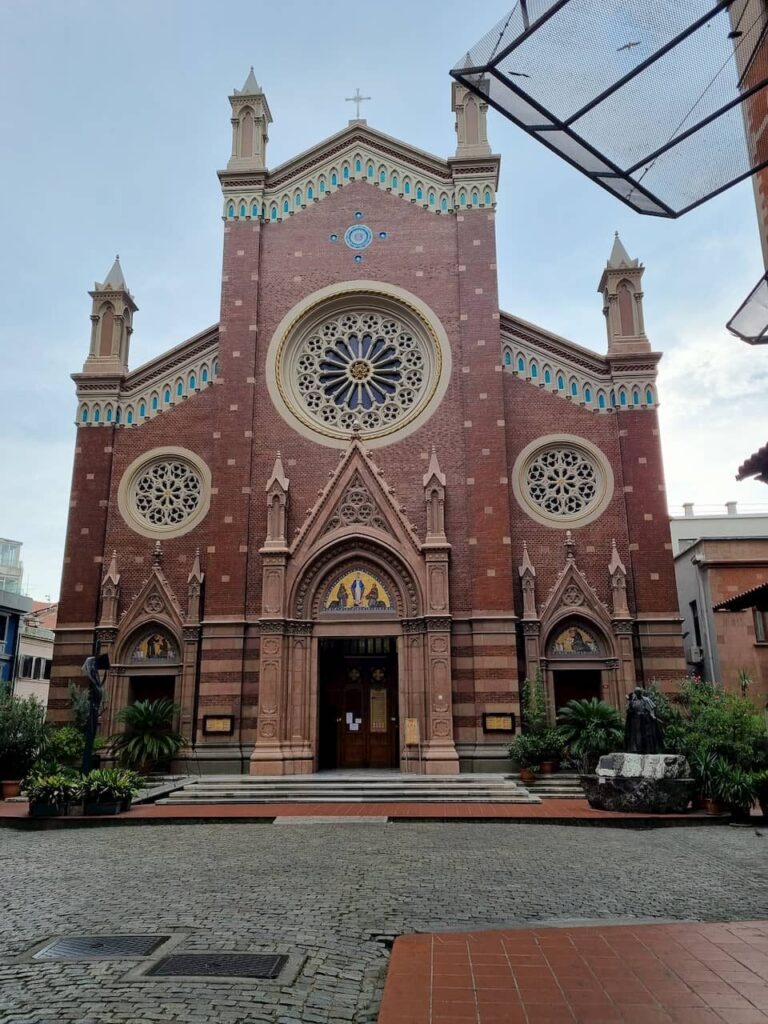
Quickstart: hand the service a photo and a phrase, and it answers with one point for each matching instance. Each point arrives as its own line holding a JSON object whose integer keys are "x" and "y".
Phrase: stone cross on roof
{"x": 357, "y": 99}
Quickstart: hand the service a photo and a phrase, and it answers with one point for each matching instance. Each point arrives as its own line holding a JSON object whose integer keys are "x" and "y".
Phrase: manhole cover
{"x": 220, "y": 965}
{"x": 93, "y": 947}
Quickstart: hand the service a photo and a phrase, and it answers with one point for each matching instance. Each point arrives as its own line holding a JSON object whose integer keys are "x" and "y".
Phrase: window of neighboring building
{"x": 37, "y": 670}
{"x": 47, "y": 668}
{"x": 761, "y": 625}
{"x": 27, "y": 664}
{"x": 3, "y": 628}
{"x": 696, "y": 626}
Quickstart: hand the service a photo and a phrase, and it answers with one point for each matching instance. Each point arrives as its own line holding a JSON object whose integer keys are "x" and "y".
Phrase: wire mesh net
{"x": 663, "y": 102}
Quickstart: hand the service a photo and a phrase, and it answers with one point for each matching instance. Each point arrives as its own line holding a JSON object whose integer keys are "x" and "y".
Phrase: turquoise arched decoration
{"x": 622, "y": 397}
{"x": 382, "y": 176}
{"x": 521, "y": 364}
{"x": 242, "y": 210}
{"x": 154, "y": 403}
{"x": 394, "y": 181}
{"x": 574, "y": 388}
{"x": 635, "y": 397}
{"x": 84, "y": 414}
{"x": 601, "y": 400}
{"x": 649, "y": 397}
{"x": 109, "y": 415}
{"x": 369, "y": 170}
{"x": 216, "y": 368}
{"x": 167, "y": 396}
{"x": 129, "y": 417}
{"x": 117, "y": 416}
{"x": 613, "y": 399}
{"x": 180, "y": 389}
{"x": 534, "y": 370}
{"x": 587, "y": 395}
{"x": 273, "y": 213}
{"x": 334, "y": 178}
{"x": 431, "y": 198}
{"x": 191, "y": 383}
{"x": 507, "y": 358}
{"x": 443, "y": 203}
{"x": 96, "y": 414}
{"x": 488, "y": 199}
{"x": 419, "y": 192}
{"x": 475, "y": 199}
{"x": 560, "y": 383}
{"x": 407, "y": 188}
{"x": 547, "y": 377}
{"x": 462, "y": 199}
{"x": 358, "y": 166}
{"x": 310, "y": 192}
{"x": 345, "y": 172}
{"x": 231, "y": 210}
{"x": 204, "y": 375}
{"x": 142, "y": 410}
{"x": 255, "y": 210}
{"x": 286, "y": 207}
{"x": 322, "y": 184}
{"x": 297, "y": 199}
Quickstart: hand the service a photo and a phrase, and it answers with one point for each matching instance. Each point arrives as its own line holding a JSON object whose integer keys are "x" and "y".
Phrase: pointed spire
{"x": 278, "y": 475}
{"x": 526, "y": 566}
{"x": 114, "y": 281}
{"x": 615, "y": 565}
{"x": 112, "y": 576}
{"x": 619, "y": 256}
{"x": 251, "y": 87}
{"x": 196, "y": 575}
{"x": 433, "y": 470}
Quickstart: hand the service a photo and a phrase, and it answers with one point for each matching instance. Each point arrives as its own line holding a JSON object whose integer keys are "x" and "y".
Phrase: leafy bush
{"x": 59, "y": 788}
{"x": 525, "y": 750}
{"x": 590, "y": 728}
{"x": 62, "y": 745}
{"x": 110, "y": 784}
{"x": 736, "y": 788}
{"x": 80, "y": 705}
{"x": 534, "y": 706}
{"x": 725, "y": 723}
{"x": 552, "y": 744}
{"x": 22, "y": 732}
{"x": 149, "y": 737}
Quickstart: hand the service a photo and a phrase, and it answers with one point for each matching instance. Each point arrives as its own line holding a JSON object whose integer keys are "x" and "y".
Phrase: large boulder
{"x": 646, "y": 783}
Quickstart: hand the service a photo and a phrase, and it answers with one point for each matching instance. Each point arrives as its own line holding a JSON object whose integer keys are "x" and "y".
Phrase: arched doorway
{"x": 152, "y": 665}
{"x": 578, "y": 663}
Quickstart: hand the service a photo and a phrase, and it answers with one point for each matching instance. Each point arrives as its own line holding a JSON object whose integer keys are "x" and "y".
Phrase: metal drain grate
{"x": 95, "y": 947}
{"x": 220, "y": 965}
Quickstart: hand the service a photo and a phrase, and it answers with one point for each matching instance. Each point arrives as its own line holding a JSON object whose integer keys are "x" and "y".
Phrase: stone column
{"x": 299, "y": 752}
{"x": 440, "y": 757}
{"x": 268, "y": 757}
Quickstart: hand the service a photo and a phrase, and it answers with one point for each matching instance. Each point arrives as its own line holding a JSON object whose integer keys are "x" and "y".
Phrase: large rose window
{"x": 165, "y": 492}
{"x": 361, "y": 363}
{"x": 562, "y": 480}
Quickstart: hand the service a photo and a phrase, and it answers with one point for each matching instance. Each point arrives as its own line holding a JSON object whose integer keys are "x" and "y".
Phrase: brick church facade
{"x": 340, "y": 527}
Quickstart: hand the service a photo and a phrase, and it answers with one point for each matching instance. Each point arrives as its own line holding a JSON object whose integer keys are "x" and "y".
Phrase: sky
{"x": 114, "y": 119}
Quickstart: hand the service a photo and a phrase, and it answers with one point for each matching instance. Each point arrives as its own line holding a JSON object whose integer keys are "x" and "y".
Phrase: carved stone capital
{"x": 276, "y": 626}
{"x": 438, "y": 623}
{"x": 191, "y": 634}
{"x": 612, "y": 664}
{"x": 623, "y": 626}
{"x": 531, "y": 628}
{"x": 299, "y": 627}
{"x": 106, "y": 636}
{"x": 413, "y": 625}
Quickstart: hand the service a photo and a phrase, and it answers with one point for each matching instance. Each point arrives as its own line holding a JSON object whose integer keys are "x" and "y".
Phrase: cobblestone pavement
{"x": 333, "y": 894}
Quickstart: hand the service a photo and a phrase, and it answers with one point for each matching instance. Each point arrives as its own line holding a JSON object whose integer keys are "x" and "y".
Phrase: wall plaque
{"x": 495, "y": 721}
{"x": 218, "y": 725}
{"x": 412, "y": 735}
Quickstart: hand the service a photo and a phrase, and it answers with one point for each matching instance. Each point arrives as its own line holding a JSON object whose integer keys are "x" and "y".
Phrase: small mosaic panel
{"x": 220, "y": 965}
{"x": 357, "y": 591}
{"x": 100, "y": 947}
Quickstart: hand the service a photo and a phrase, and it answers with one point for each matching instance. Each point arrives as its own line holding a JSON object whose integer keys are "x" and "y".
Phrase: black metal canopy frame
{"x": 652, "y": 99}
{"x": 750, "y": 321}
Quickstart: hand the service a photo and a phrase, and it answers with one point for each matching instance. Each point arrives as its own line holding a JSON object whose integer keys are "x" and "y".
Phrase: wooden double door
{"x": 358, "y": 703}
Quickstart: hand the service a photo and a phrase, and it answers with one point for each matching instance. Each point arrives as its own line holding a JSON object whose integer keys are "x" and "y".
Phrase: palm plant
{"x": 149, "y": 737}
{"x": 590, "y": 728}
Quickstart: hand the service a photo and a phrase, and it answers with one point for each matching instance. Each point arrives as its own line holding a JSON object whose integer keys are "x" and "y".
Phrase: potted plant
{"x": 551, "y": 751}
{"x": 589, "y": 729}
{"x": 22, "y": 729}
{"x": 149, "y": 739}
{"x": 704, "y": 764}
{"x": 106, "y": 789}
{"x": 51, "y": 795}
{"x": 736, "y": 788}
{"x": 525, "y": 750}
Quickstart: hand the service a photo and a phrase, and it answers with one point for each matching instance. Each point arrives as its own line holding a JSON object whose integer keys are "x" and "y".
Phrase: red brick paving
{"x": 576, "y": 810}
{"x": 643, "y": 974}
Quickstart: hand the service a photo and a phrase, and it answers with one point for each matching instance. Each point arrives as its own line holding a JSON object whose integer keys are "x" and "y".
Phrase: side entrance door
{"x": 361, "y": 707}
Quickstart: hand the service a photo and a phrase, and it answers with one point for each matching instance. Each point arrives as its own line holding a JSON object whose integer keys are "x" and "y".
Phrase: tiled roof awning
{"x": 648, "y": 99}
{"x": 755, "y": 597}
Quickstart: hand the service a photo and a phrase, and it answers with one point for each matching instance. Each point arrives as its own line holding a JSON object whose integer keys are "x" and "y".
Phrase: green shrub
{"x": 525, "y": 750}
{"x": 80, "y": 705}
{"x": 108, "y": 784}
{"x": 534, "y": 706}
{"x": 149, "y": 737}
{"x": 552, "y": 744}
{"x": 725, "y": 723}
{"x": 590, "y": 728}
{"x": 22, "y": 734}
{"x": 59, "y": 788}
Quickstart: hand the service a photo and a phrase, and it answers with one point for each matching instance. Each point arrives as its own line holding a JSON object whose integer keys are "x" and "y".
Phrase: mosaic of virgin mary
{"x": 357, "y": 591}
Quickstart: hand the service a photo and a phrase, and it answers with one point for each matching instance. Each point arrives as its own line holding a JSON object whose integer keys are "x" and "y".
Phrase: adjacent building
{"x": 13, "y": 608}
{"x": 11, "y": 566}
{"x": 352, "y": 516}
{"x": 721, "y": 567}
{"x": 35, "y": 652}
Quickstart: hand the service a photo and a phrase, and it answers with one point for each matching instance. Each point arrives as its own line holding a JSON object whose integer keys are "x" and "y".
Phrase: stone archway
{"x": 579, "y": 661}
{"x": 148, "y": 664}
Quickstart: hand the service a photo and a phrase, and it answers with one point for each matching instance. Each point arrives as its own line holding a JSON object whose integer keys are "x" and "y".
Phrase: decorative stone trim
{"x": 582, "y": 490}
{"x": 563, "y": 369}
{"x": 291, "y": 383}
{"x": 165, "y": 492}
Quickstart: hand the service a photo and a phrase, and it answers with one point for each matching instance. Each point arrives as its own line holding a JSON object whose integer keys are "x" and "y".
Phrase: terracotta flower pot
{"x": 712, "y": 806}
{"x": 10, "y": 788}
{"x": 527, "y": 775}
{"x": 548, "y": 767}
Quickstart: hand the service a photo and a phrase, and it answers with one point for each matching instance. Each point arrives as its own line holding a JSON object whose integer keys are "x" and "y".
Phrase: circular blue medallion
{"x": 359, "y": 236}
